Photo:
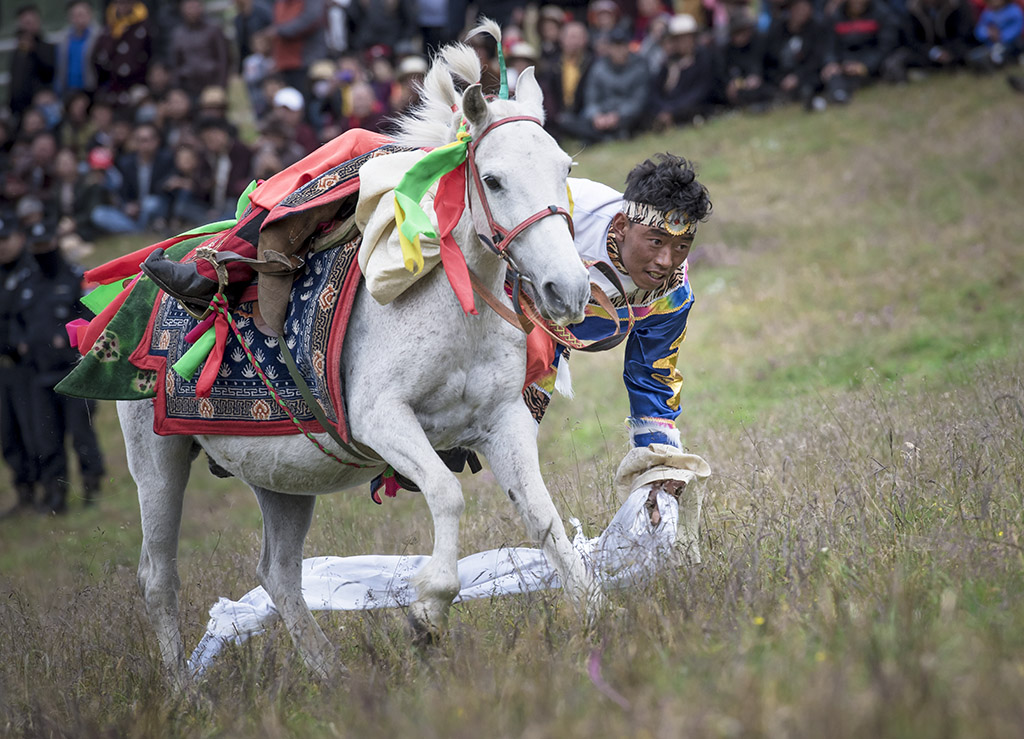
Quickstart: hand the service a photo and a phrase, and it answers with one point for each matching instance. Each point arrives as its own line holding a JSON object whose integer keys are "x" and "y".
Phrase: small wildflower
{"x": 1000, "y": 533}
{"x": 819, "y": 656}
{"x": 759, "y": 621}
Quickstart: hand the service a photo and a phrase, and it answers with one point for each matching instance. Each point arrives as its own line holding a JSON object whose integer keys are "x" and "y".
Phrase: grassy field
{"x": 853, "y": 371}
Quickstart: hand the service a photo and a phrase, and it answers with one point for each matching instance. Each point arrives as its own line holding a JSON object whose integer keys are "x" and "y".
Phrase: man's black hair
{"x": 668, "y": 184}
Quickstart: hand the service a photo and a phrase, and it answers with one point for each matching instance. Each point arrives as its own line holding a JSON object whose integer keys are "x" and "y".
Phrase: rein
{"x": 526, "y": 314}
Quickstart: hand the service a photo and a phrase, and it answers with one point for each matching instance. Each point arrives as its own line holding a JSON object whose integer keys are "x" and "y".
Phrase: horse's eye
{"x": 492, "y": 182}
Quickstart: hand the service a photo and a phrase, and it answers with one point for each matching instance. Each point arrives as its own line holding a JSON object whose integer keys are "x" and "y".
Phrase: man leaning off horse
{"x": 644, "y": 234}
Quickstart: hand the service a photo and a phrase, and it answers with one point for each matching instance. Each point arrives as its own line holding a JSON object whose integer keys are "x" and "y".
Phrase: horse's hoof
{"x": 426, "y": 631}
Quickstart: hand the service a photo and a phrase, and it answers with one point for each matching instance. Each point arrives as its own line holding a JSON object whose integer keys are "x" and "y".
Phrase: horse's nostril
{"x": 553, "y": 297}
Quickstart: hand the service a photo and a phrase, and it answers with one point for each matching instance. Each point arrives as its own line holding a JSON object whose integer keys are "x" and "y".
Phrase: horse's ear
{"x": 474, "y": 107}
{"x": 528, "y": 92}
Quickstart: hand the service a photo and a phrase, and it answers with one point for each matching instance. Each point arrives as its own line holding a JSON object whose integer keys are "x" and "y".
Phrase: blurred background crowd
{"x": 153, "y": 116}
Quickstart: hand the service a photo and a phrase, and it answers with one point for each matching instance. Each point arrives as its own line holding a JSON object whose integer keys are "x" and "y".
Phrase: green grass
{"x": 853, "y": 372}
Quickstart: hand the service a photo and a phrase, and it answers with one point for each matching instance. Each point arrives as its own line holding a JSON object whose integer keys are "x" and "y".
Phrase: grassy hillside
{"x": 853, "y": 369}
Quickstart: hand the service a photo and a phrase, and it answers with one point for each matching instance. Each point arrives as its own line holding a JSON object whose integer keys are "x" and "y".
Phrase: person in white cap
{"x": 685, "y": 81}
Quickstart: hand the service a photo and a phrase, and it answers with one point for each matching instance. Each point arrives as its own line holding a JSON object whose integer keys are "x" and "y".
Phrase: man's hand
{"x": 672, "y": 487}
{"x": 855, "y": 69}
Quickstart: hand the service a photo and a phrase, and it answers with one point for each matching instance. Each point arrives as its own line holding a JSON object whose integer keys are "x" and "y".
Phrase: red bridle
{"x": 500, "y": 237}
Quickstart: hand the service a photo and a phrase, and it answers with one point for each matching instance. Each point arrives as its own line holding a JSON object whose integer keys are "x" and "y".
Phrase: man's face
{"x": 146, "y": 141}
{"x": 30, "y": 22}
{"x": 650, "y": 255}
{"x": 80, "y": 16}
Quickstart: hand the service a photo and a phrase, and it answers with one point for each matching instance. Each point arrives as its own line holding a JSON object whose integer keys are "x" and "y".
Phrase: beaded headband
{"x": 674, "y": 221}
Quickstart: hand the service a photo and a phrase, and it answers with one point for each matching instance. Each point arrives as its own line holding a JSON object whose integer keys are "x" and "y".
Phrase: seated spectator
{"x": 213, "y": 102}
{"x": 159, "y": 80}
{"x": 276, "y": 149}
{"x": 40, "y": 175}
{"x": 741, "y": 64}
{"x": 257, "y": 66}
{"x": 938, "y": 33}
{"x": 562, "y": 78}
{"x": 864, "y": 37}
{"x": 520, "y": 56}
{"x": 47, "y": 103}
{"x": 999, "y": 30}
{"x": 367, "y": 111}
{"x": 101, "y": 124}
{"x": 228, "y": 162}
{"x": 121, "y": 131}
{"x": 487, "y": 52}
{"x": 614, "y": 94}
{"x": 795, "y": 54}
{"x": 603, "y": 17}
{"x": 198, "y": 50}
{"x": 75, "y": 70}
{"x": 549, "y": 27}
{"x": 320, "y": 110}
{"x": 76, "y": 127}
{"x": 70, "y": 203}
{"x": 381, "y": 76}
{"x": 32, "y": 60}
{"x": 176, "y": 119}
{"x": 142, "y": 202}
{"x": 290, "y": 107}
{"x": 187, "y": 190}
{"x": 409, "y": 75}
{"x": 682, "y": 90}
{"x": 124, "y": 50}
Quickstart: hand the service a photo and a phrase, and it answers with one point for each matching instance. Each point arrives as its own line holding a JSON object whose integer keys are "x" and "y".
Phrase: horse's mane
{"x": 435, "y": 119}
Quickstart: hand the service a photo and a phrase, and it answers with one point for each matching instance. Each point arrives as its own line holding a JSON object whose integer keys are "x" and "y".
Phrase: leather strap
{"x": 314, "y": 405}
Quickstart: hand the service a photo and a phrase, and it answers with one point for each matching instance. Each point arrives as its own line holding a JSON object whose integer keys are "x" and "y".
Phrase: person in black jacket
{"x": 50, "y": 300}
{"x": 32, "y": 62}
{"x": 686, "y": 78}
{"x": 17, "y": 272}
{"x": 562, "y": 75}
{"x": 863, "y": 38}
{"x": 939, "y": 33}
{"x": 741, "y": 63}
{"x": 795, "y": 54}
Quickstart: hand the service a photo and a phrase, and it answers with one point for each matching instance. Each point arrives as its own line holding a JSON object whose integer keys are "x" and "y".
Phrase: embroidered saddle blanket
{"x": 240, "y": 403}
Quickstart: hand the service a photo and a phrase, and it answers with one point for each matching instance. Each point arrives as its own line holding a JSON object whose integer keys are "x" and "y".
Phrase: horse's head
{"x": 519, "y": 199}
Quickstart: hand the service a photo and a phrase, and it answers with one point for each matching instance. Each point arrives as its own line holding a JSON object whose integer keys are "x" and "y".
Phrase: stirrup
{"x": 210, "y": 255}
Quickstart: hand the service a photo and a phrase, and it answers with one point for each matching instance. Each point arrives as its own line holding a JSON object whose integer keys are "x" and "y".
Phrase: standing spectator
{"x": 686, "y": 79}
{"x": 298, "y": 33}
{"x": 228, "y": 162}
{"x": 385, "y": 22}
{"x": 198, "y": 51}
{"x": 562, "y": 77}
{"x": 251, "y": 17}
{"x": 123, "y": 52}
{"x": 17, "y": 270}
{"x": 864, "y": 35}
{"x": 55, "y": 292}
{"x": 75, "y": 70}
{"x": 741, "y": 64}
{"x": 440, "y": 22}
{"x": 32, "y": 61}
{"x": 999, "y": 30}
{"x": 795, "y": 54}
{"x": 142, "y": 198}
{"x": 614, "y": 94}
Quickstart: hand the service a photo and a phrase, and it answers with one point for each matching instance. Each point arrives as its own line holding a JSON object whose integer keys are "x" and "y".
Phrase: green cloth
{"x": 105, "y": 372}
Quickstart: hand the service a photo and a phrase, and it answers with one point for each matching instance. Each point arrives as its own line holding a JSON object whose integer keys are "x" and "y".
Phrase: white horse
{"x": 419, "y": 375}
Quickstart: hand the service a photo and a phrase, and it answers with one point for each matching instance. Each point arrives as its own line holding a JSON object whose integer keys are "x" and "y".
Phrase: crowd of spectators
{"x": 153, "y": 116}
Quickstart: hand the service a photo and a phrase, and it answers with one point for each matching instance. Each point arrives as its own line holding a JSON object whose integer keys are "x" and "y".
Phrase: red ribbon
{"x": 449, "y": 204}
{"x": 204, "y": 385}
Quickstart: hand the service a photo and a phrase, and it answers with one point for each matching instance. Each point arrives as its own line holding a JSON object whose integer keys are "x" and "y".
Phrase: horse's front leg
{"x": 512, "y": 454}
{"x": 397, "y": 437}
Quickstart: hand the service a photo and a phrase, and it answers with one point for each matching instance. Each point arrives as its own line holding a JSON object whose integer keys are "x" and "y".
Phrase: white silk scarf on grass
{"x": 628, "y": 552}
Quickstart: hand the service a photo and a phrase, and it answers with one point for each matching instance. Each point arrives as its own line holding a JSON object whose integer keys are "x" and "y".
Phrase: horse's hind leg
{"x": 286, "y": 520}
{"x": 160, "y": 467}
